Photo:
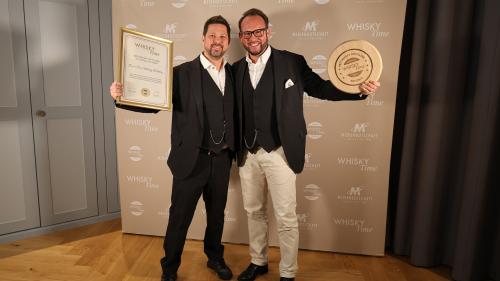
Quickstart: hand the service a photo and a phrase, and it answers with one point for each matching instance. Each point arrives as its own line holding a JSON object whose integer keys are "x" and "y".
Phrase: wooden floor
{"x": 102, "y": 252}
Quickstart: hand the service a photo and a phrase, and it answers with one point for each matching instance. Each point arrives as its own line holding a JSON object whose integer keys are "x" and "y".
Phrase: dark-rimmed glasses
{"x": 257, "y": 33}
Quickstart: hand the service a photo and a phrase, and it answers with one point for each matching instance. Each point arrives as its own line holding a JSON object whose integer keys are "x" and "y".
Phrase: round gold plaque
{"x": 352, "y": 63}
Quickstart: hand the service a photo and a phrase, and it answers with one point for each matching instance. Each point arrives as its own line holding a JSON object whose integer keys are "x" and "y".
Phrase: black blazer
{"x": 186, "y": 134}
{"x": 289, "y": 102}
{"x": 187, "y": 117}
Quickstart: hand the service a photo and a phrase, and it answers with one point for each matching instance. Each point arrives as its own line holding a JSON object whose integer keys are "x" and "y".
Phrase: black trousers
{"x": 210, "y": 177}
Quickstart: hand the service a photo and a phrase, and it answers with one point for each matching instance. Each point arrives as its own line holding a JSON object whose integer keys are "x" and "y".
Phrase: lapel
{"x": 279, "y": 72}
{"x": 229, "y": 79}
{"x": 240, "y": 72}
{"x": 195, "y": 87}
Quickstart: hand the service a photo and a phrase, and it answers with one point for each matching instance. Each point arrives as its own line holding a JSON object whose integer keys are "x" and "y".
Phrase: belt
{"x": 209, "y": 152}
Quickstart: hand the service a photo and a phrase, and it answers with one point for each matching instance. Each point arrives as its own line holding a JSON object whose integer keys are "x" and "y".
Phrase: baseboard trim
{"x": 52, "y": 228}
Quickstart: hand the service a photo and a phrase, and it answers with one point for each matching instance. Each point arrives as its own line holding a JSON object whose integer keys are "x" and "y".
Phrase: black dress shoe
{"x": 252, "y": 272}
{"x": 222, "y": 270}
{"x": 286, "y": 279}
{"x": 169, "y": 277}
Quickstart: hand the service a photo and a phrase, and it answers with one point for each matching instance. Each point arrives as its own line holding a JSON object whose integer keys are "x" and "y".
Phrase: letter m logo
{"x": 302, "y": 218}
{"x": 311, "y": 25}
{"x": 355, "y": 191}
{"x": 170, "y": 27}
{"x": 359, "y": 127}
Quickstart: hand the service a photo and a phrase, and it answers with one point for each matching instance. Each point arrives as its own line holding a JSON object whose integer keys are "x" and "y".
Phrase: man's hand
{"x": 369, "y": 87}
{"x": 116, "y": 90}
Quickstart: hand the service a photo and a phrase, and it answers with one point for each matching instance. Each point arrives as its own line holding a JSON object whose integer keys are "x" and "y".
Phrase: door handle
{"x": 41, "y": 113}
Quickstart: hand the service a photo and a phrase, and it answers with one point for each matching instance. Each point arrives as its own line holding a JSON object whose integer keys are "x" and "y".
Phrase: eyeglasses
{"x": 256, "y": 33}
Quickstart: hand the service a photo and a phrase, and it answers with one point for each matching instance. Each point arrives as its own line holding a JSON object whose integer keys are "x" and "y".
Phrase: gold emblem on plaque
{"x": 145, "y": 92}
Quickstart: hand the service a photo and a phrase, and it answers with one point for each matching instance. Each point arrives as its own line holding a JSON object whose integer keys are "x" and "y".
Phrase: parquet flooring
{"x": 102, "y": 252}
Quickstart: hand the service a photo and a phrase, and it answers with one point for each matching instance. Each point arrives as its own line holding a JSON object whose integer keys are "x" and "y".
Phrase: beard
{"x": 216, "y": 53}
{"x": 258, "y": 51}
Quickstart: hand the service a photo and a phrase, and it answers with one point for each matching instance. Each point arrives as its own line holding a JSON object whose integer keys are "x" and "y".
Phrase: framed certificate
{"x": 145, "y": 70}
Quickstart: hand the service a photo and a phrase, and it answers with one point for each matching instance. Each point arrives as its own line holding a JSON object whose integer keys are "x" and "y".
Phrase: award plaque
{"x": 352, "y": 63}
{"x": 145, "y": 70}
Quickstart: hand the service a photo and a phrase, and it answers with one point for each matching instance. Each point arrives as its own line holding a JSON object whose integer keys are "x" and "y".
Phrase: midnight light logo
{"x": 136, "y": 208}
{"x": 135, "y": 153}
{"x": 178, "y": 3}
{"x": 315, "y": 130}
{"x": 312, "y": 192}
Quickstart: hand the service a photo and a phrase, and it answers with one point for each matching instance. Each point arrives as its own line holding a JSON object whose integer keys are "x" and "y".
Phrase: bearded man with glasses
{"x": 269, "y": 94}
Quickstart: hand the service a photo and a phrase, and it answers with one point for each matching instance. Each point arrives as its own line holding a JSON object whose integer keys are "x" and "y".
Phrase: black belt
{"x": 210, "y": 152}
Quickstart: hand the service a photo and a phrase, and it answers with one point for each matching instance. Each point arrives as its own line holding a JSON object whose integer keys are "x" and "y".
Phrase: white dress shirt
{"x": 219, "y": 76}
{"x": 256, "y": 69}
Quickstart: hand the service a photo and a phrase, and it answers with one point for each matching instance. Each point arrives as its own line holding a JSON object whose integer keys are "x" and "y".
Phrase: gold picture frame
{"x": 146, "y": 66}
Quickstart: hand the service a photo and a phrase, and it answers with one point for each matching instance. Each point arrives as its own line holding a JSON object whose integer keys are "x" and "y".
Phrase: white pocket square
{"x": 288, "y": 83}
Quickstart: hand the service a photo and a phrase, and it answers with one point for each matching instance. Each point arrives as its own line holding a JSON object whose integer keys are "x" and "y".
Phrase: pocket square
{"x": 288, "y": 83}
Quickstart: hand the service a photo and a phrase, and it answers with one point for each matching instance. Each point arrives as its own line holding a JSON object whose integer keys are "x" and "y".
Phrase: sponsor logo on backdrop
{"x": 131, "y": 26}
{"x": 315, "y": 130}
{"x": 355, "y": 194}
{"x": 179, "y": 60}
{"x": 304, "y": 221}
{"x": 364, "y": 164}
{"x": 145, "y": 181}
{"x": 310, "y": 31}
{"x": 178, "y": 3}
{"x": 171, "y": 31}
{"x": 359, "y": 131}
{"x": 373, "y": 27}
{"x": 318, "y": 64}
{"x": 312, "y": 192}
{"x": 146, "y": 3}
{"x": 228, "y": 216}
{"x": 356, "y": 224}
{"x": 285, "y": 2}
{"x": 312, "y": 101}
{"x": 322, "y": 2}
{"x": 310, "y": 164}
{"x": 136, "y": 208}
{"x": 135, "y": 153}
{"x": 371, "y": 101}
{"x": 144, "y": 123}
{"x": 220, "y": 3}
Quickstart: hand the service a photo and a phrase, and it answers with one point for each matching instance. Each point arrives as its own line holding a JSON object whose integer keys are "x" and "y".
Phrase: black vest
{"x": 218, "y": 113}
{"x": 259, "y": 111}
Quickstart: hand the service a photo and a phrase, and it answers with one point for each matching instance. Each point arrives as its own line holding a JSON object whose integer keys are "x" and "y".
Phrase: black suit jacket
{"x": 187, "y": 117}
{"x": 289, "y": 102}
{"x": 186, "y": 135}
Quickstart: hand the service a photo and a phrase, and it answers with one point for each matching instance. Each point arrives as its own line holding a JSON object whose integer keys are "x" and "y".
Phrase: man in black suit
{"x": 202, "y": 148}
{"x": 269, "y": 94}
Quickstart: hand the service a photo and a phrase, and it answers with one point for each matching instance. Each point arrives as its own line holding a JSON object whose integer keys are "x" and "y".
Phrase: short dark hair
{"x": 217, "y": 20}
{"x": 254, "y": 12}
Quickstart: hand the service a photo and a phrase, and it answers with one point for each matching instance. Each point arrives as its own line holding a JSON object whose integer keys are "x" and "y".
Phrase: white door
{"x": 61, "y": 103}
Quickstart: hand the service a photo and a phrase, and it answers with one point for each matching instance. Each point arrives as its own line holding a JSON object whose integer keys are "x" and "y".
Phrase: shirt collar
{"x": 208, "y": 64}
{"x": 263, "y": 58}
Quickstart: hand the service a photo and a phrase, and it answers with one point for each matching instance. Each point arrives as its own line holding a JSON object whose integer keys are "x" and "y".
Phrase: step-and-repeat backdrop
{"x": 342, "y": 192}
